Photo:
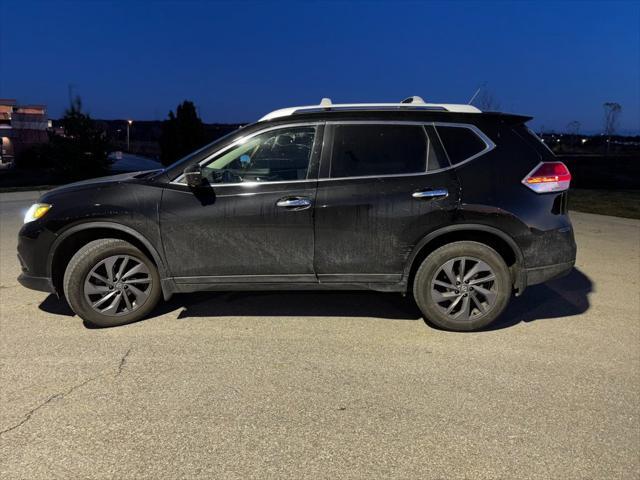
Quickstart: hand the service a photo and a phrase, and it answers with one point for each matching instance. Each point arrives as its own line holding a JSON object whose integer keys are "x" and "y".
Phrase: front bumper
{"x": 536, "y": 275}
{"x": 42, "y": 284}
{"x": 33, "y": 249}
{"x": 34, "y": 244}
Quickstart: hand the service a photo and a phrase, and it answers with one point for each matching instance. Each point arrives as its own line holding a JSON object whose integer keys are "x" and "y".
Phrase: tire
{"x": 134, "y": 283}
{"x": 479, "y": 301}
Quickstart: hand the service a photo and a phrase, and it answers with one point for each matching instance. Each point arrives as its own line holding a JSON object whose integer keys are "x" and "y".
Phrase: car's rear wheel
{"x": 462, "y": 286}
{"x": 110, "y": 282}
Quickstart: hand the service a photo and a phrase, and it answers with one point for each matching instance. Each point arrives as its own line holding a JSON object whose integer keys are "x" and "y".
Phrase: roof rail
{"x": 410, "y": 103}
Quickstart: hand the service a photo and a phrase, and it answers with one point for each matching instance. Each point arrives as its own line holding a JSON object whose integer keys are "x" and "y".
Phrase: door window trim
{"x": 489, "y": 145}
{"x": 179, "y": 180}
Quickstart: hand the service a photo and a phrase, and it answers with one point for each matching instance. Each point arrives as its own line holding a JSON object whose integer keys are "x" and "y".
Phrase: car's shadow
{"x": 558, "y": 298}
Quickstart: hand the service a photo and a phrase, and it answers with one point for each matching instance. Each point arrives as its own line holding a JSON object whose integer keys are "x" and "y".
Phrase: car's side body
{"x": 367, "y": 232}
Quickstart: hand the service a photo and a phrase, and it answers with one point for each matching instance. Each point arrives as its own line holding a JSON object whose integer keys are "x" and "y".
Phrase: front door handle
{"x": 294, "y": 203}
{"x": 431, "y": 194}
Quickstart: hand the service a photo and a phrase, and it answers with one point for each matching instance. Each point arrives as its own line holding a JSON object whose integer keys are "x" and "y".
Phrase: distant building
{"x": 21, "y": 127}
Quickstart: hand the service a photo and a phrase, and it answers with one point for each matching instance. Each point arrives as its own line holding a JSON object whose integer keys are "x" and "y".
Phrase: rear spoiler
{"x": 515, "y": 120}
{"x": 510, "y": 119}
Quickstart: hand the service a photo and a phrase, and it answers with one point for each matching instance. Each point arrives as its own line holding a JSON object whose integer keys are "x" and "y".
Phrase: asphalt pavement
{"x": 328, "y": 385}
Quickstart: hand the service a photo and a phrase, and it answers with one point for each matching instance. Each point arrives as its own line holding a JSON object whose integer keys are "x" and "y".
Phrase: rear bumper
{"x": 536, "y": 275}
{"x": 547, "y": 254}
{"x": 42, "y": 284}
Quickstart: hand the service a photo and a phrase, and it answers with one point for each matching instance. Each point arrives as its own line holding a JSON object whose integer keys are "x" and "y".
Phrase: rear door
{"x": 383, "y": 186}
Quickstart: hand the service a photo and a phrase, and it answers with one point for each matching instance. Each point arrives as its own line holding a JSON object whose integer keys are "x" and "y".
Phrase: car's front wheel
{"x": 462, "y": 286}
{"x": 110, "y": 282}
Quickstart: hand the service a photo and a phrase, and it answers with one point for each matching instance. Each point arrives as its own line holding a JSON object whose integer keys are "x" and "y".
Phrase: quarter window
{"x": 436, "y": 158}
{"x": 376, "y": 150}
{"x": 460, "y": 143}
{"x": 273, "y": 156}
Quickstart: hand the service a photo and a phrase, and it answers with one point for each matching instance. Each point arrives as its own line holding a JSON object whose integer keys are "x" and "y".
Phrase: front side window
{"x": 273, "y": 156}
{"x": 461, "y": 143}
{"x": 378, "y": 149}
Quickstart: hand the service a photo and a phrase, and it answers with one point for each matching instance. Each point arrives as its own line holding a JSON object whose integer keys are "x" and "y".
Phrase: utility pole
{"x": 129, "y": 122}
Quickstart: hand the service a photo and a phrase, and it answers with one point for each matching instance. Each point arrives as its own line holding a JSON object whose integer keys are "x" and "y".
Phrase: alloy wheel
{"x": 464, "y": 288}
{"x": 117, "y": 285}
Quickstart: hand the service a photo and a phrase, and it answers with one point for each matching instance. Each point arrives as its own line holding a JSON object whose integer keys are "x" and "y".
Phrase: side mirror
{"x": 193, "y": 176}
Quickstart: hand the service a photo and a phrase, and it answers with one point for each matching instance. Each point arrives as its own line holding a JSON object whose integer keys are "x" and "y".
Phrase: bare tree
{"x": 573, "y": 128}
{"x": 611, "y": 113}
{"x": 487, "y": 102}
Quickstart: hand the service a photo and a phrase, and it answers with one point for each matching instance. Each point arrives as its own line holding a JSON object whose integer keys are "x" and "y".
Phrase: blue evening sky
{"x": 557, "y": 61}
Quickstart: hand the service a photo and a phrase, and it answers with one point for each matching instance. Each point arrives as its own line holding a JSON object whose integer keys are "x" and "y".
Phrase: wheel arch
{"x": 74, "y": 238}
{"x": 491, "y": 236}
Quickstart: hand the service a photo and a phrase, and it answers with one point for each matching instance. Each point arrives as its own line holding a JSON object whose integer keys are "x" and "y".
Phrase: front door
{"x": 382, "y": 188}
{"x": 254, "y": 220}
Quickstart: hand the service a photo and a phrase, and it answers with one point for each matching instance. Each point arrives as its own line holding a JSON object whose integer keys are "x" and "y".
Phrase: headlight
{"x": 36, "y": 211}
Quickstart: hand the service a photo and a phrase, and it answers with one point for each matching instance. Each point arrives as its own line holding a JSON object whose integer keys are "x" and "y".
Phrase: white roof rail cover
{"x": 414, "y": 101}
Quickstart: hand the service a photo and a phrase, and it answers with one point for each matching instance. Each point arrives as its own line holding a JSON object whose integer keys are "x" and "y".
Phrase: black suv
{"x": 459, "y": 207}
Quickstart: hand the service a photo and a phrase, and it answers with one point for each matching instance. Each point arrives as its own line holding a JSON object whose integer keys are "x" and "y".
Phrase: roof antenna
{"x": 482, "y": 85}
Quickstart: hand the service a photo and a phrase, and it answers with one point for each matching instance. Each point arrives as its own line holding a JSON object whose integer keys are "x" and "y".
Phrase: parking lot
{"x": 328, "y": 385}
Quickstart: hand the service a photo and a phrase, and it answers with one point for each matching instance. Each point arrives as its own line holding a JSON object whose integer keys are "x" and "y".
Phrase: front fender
{"x": 85, "y": 226}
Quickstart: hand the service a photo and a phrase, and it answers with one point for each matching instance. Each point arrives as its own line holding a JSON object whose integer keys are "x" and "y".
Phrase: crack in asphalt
{"x": 62, "y": 395}
{"x": 123, "y": 361}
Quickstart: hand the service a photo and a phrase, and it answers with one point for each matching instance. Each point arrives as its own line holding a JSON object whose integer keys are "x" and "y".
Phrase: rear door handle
{"x": 431, "y": 194}
{"x": 294, "y": 203}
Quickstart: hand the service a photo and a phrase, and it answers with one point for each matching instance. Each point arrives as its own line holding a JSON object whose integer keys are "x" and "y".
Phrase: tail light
{"x": 548, "y": 177}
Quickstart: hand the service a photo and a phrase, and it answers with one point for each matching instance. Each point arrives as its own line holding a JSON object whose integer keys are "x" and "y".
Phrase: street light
{"x": 129, "y": 122}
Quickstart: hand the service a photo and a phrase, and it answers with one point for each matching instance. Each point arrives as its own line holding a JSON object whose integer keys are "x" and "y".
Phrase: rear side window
{"x": 373, "y": 150}
{"x": 460, "y": 143}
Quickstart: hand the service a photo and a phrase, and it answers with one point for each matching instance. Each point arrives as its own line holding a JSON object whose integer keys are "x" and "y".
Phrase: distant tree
{"x": 611, "y": 113}
{"x": 80, "y": 153}
{"x": 573, "y": 128}
{"x": 486, "y": 101}
{"x": 182, "y": 133}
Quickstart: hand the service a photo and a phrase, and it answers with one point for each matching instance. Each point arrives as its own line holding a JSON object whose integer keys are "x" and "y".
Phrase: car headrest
{"x": 284, "y": 140}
